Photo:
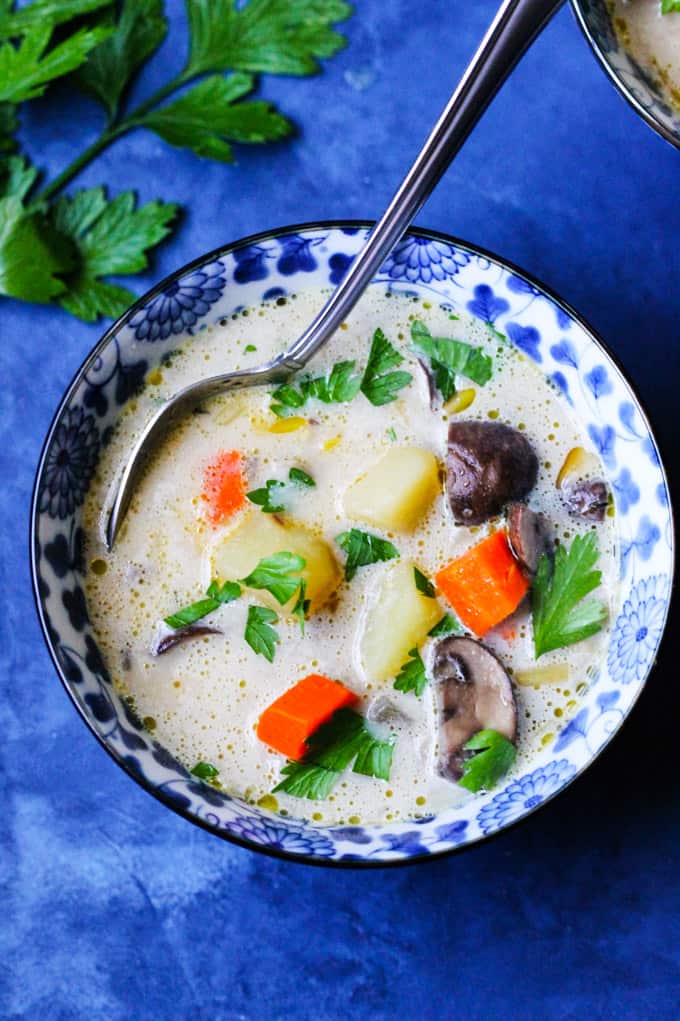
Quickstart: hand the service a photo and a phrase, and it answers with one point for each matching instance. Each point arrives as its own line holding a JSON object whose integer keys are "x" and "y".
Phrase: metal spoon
{"x": 516, "y": 25}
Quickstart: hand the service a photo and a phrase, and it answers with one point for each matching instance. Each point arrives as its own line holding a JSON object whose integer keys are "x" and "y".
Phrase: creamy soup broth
{"x": 203, "y": 698}
{"x": 653, "y": 39}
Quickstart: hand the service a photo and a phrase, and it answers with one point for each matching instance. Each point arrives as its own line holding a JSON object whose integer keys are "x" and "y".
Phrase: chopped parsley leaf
{"x": 380, "y": 385}
{"x": 412, "y": 676}
{"x": 332, "y": 748}
{"x": 448, "y": 625}
{"x": 205, "y": 771}
{"x": 423, "y": 584}
{"x": 363, "y": 548}
{"x": 560, "y": 617}
{"x": 495, "y": 756}
{"x": 259, "y": 635}
{"x": 216, "y": 595}
{"x": 449, "y": 358}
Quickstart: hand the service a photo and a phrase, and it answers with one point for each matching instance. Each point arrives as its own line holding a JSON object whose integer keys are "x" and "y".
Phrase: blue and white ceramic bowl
{"x": 632, "y": 80}
{"x": 439, "y": 269}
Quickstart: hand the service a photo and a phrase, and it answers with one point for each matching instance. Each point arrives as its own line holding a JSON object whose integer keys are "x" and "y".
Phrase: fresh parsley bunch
{"x": 62, "y": 249}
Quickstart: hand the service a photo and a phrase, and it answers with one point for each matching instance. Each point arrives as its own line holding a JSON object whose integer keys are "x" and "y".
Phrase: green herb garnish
{"x": 259, "y": 635}
{"x": 342, "y": 383}
{"x": 560, "y": 617}
{"x": 268, "y": 497}
{"x": 278, "y": 574}
{"x": 301, "y": 608}
{"x": 379, "y": 384}
{"x": 495, "y": 756}
{"x": 216, "y": 595}
{"x": 449, "y": 358}
{"x": 271, "y": 496}
{"x": 80, "y": 241}
{"x": 301, "y": 478}
{"x": 332, "y": 748}
{"x": 205, "y": 771}
{"x": 363, "y": 548}
{"x": 338, "y": 387}
{"x": 249, "y": 347}
{"x": 670, "y": 6}
{"x": 448, "y": 625}
{"x": 392, "y": 434}
{"x": 423, "y": 584}
{"x": 412, "y": 676}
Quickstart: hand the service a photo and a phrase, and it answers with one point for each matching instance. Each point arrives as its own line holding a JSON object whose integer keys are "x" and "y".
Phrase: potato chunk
{"x": 396, "y": 491}
{"x": 398, "y": 619}
{"x": 260, "y": 535}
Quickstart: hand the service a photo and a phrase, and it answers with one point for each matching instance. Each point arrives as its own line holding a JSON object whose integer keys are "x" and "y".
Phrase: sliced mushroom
{"x": 182, "y": 634}
{"x": 587, "y": 498}
{"x": 528, "y": 536}
{"x": 488, "y": 465}
{"x": 474, "y": 692}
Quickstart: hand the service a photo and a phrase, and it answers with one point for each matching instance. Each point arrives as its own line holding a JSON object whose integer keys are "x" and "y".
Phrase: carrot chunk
{"x": 291, "y": 719}
{"x": 485, "y": 585}
{"x": 224, "y": 486}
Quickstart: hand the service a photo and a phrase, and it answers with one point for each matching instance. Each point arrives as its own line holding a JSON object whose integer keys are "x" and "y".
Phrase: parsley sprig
{"x": 259, "y": 634}
{"x": 379, "y": 384}
{"x": 342, "y": 384}
{"x": 412, "y": 676}
{"x": 363, "y": 548}
{"x": 100, "y": 48}
{"x": 280, "y": 576}
{"x": 448, "y": 625}
{"x": 216, "y": 595}
{"x": 494, "y": 756}
{"x": 272, "y": 497}
{"x": 449, "y": 358}
{"x": 560, "y": 617}
{"x": 332, "y": 748}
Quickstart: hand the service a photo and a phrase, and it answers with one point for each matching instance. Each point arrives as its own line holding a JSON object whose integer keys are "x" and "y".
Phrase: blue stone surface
{"x": 115, "y": 908}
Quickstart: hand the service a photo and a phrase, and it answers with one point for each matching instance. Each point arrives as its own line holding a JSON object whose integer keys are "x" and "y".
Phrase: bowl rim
{"x": 619, "y": 84}
{"x": 88, "y": 361}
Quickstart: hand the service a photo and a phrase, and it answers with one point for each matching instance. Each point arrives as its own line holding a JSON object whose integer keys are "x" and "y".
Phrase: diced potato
{"x": 399, "y": 619}
{"x": 396, "y": 491}
{"x": 260, "y": 535}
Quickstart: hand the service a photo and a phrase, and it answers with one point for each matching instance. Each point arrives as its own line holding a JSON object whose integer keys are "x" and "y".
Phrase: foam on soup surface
{"x": 203, "y": 698}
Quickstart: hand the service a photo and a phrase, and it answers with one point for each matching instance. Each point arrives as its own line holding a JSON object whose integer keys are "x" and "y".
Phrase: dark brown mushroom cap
{"x": 586, "y": 498}
{"x": 488, "y": 465}
{"x": 474, "y": 692}
{"x": 528, "y": 536}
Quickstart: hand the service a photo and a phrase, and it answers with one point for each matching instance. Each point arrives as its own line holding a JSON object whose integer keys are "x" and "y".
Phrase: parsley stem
{"x": 112, "y": 132}
{"x": 157, "y": 97}
{"x": 80, "y": 162}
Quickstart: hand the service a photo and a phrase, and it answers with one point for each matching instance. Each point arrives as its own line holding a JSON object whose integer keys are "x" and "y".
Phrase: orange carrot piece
{"x": 223, "y": 486}
{"x": 485, "y": 585}
{"x": 291, "y": 719}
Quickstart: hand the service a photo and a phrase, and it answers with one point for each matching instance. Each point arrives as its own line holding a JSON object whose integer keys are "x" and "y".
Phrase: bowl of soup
{"x": 638, "y": 44}
{"x": 381, "y": 611}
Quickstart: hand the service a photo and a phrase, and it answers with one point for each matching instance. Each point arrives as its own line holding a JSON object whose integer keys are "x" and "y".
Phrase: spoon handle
{"x": 516, "y": 25}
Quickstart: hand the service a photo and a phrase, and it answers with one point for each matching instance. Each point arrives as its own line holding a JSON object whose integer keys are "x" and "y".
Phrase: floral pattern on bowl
{"x": 436, "y": 268}
{"x": 637, "y": 84}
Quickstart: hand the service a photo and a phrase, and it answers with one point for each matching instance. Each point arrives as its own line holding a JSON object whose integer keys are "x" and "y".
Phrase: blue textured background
{"x": 114, "y": 908}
